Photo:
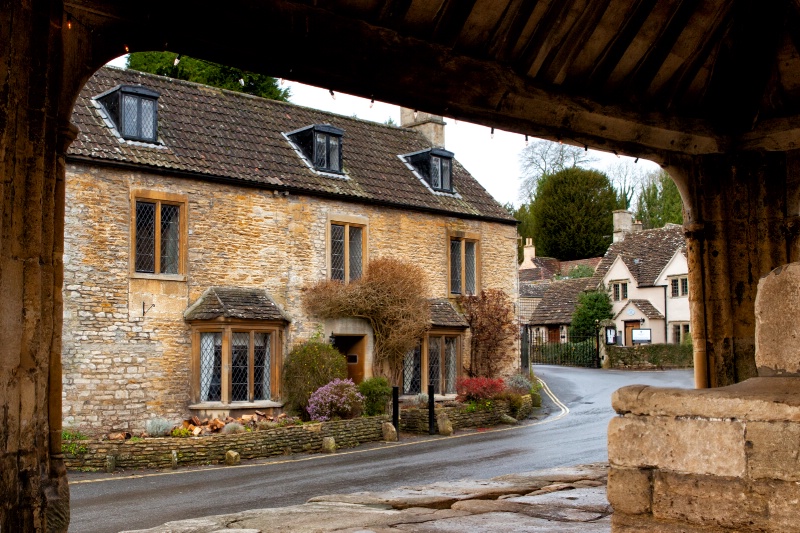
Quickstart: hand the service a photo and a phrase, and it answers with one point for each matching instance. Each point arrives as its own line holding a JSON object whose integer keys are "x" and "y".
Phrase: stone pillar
{"x": 741, "y": 215}
{"x": 33, "y": 130}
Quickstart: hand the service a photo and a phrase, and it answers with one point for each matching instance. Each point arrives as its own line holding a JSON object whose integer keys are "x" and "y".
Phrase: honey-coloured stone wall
{"x": 123, "y": 366}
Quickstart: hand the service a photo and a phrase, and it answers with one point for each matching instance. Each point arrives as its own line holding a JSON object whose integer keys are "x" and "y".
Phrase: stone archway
{"x": 705, "y": 90}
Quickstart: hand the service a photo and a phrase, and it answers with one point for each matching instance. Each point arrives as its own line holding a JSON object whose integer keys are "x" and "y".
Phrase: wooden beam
{"x": 510, "y": 27}
{"x": 774, "y": 135}
{"x": 450, "y": 21}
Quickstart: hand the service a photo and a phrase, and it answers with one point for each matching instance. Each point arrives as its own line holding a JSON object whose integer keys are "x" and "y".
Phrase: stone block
{"x": 232, "y": 458}
{"x": 630, "y": 490}
{"x": 777, "y": 306}
{"x": 678, "y": 444}
{"x": 783, "y": 503}
{"x": 443, "y": 423}
{"x": 388, "y": 432}
{"x": 709, "y": 500}
{"x": 773, "y": 450}
{"x": 328, "y": 445}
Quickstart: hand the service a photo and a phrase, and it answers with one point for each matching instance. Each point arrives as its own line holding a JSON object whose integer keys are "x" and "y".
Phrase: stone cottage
{"x": 194, "y": 218}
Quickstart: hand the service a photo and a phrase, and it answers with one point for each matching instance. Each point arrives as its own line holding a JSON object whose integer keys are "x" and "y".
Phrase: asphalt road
{"x": 570, "y": 430}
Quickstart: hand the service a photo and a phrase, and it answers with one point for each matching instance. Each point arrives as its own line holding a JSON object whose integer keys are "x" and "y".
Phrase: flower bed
{"x": 415, "y": 420}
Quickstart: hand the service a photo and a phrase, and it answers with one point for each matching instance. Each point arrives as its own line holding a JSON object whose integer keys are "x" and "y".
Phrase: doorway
{"x": 630, "y": 325}
{"x": 354, "y": 348}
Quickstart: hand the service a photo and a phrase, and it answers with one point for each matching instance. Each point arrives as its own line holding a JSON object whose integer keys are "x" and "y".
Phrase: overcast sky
{"x": 492, "y": 159}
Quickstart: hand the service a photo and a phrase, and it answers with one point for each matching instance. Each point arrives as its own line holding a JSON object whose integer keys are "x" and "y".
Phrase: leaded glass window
{"x": 211, "y": 367}
{"x": 436, "y": 172}
{"x": 455, "y": 266}
{"x": 355, "y": 251}
{"x": 337, "y": 252}
{"x": 334, "y": 159}
{"x": 134, "y": 111}
{"x": 684, "y": 286}
{"x": 240, "y": 351}
{"x": 450, "y": 370}
{"x": 321, "y": 150}
{"x": 435, "y": 167}
{"x": 412, "y": 371}
{"x": 261, "y": 366}
{"x": 469, "y": 267}
{"x": 435, "y": 363}
{"x": 446, "y": 175}
{"x": 157, "y": 247}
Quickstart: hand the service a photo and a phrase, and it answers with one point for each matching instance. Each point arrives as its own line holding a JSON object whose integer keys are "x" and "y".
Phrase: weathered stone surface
{"x": 777, "y": 307}
{"x": 630, "y": 490}
{"x": 388, "y": 432}
{"x": 678, "y": 444}
{"x": 622, "y": 523}
{"x": 546, "y": 511}
{"x": 443, "y": 423}
{"x": 494, "y": 522}
{"x": 589, "y": 499}
{"x": 784, "y": 500}
{"x": 232, "y": 458}
{"x": 772, "y": 450}
{"x": 763, "y": 399}
{"x": 704, "y": 500}
{"x": 328, "y": 445}
{"x": 506, "y": 419}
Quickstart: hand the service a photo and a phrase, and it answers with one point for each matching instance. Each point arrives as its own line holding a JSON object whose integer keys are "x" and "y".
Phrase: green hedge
{"x": 651, "y": 355}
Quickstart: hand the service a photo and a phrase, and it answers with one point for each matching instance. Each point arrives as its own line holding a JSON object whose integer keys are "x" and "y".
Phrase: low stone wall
{"x": 157, "y": 452}
{"x": 416, "y": 420}
{"x": 649, "y": 356}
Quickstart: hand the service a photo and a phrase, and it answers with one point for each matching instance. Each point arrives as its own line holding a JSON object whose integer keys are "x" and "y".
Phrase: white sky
{"x": 492, "y": 160}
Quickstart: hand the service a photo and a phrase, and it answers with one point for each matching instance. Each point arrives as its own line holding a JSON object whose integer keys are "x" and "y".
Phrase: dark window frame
{"x": 112, "y": 102}
{"x": 426, "y": 161}
{"x": 305, "y": 139}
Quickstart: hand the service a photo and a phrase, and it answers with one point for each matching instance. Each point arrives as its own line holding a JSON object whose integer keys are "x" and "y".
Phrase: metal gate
{"x": 571, "y": 351}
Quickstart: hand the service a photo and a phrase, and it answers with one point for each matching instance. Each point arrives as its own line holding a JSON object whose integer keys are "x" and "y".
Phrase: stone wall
{"x": 157, "y": 452}
{"x": 416, "y": 420}
{"x": 122, "y": 367}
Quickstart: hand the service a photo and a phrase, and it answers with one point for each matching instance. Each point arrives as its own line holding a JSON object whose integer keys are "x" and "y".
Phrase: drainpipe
{"x": 666, "y": 316}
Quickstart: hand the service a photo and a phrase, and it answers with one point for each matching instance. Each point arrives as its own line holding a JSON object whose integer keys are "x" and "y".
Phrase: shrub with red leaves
{"x": 477, "y": 389}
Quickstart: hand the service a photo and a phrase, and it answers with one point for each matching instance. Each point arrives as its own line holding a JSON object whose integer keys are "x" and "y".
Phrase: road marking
{"x": 318, "y": 457}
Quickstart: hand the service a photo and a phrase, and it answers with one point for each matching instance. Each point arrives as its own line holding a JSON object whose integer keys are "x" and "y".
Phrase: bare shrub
{"x": 494, "y": 330}
{"x": 391, "y": 296}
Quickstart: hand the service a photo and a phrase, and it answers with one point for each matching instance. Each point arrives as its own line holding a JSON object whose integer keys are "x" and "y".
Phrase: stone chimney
{"x": 528, "y": 253}
{"x": 431, "y": 126}
{"x": 637, "y": 226}
{"x": 623, "y": 223}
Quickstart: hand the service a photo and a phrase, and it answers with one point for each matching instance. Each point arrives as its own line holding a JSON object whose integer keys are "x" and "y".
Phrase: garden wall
{"x": 648, "y": 356}
{"x": 157, "y": 452}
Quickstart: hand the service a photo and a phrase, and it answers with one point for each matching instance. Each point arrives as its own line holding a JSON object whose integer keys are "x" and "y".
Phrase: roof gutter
{"x": 288, "y": 188}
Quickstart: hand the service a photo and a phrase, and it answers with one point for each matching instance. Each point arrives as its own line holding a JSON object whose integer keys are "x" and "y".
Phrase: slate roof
{"x": 234, "y": 302}
{"x": 647, "y": 309}
{"x": 443, "y": 314}
{"x": 653, "y": 248}
{"x": 211, "y": 133}
{"x": 532, "y": 290}
{"x": 558, "y": 302}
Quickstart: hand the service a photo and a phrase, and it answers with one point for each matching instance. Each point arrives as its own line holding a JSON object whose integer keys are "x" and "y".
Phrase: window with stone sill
{"x": 679, "y": 286}
{"x": 680, "y": 332}
{"x": 236, "y": 363}
{"x": 438, "y": 355}
{"x": 346, "y": 247}
{"x": 463, "y": 259}
{"x": 158, "y": 233}
{"x": 619, "y": 290}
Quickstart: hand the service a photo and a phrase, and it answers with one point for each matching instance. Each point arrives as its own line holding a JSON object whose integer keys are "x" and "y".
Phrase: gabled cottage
{"x": 194, "y": 218}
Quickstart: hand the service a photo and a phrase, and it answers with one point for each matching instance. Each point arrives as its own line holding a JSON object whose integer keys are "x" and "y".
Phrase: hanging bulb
{"x": 615, "y": 153}
{"x": 177, "y": 60}
{"x": 559, "y": 141}
{"x": 526, "y": 140}
{"x": 585, "y": 147}
{"x": 333, "y": 95}
{"x": 241, "y": 82}
{"x": 415, "y": 114}
{"x": 636, "y": 160}
{"x": 492, "y": 133}
{"x": 69, "y": 21}
{"x": 371, "y": 103}
{"x": 280, "y": 81}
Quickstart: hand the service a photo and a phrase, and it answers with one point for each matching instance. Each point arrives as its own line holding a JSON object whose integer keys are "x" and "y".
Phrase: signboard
{"x": 641, "y": 336}
{"x": 611, "y": 335}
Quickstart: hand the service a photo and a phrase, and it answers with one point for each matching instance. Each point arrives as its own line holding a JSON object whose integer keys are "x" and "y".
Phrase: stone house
{"x": 196, "y": 216}
{"x": 550, "y": 320}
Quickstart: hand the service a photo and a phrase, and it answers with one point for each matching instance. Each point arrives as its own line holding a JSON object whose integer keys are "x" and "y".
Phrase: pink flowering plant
{"x": 339, "y": 399}
{"x": 479, "y": 389}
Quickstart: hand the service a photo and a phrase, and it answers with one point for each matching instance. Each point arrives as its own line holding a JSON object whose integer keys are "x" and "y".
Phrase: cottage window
{"x": 439, "y": 355}
{"x": 159, "y": 228}
{"x": 321, "y": 145}
{"x": 134, "y": 112}
{"x": 679, "y": 287}
{"x": 435, "y": 167}
{"x": 236, "y": 363}
{"x": 463, "y": 265}
{"x": 619, "y": 290}
{"x": 680, "y": 332}
{"x": 347, "y": 247}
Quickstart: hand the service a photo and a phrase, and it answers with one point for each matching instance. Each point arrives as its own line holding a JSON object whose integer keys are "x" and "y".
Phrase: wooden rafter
{"x": 450, "y": 20}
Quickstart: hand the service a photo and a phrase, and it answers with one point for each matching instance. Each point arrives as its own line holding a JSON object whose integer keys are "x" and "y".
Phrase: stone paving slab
{"x": 559, "y": 500}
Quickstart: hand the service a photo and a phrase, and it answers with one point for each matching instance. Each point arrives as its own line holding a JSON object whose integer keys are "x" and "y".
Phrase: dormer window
{"x": 321, "y": 145}
{"x": 134, "y": 111}
{"x": 435, "y": 166}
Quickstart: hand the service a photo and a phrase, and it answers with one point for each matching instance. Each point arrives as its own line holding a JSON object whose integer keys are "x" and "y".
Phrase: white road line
{"x": 559, "y": 403}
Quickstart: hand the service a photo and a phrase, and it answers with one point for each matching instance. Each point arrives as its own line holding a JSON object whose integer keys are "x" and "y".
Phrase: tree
{"x": 627, "y": 178}
{"x": 659, "y": 202}
{"x": 524, "y": 215}
{"x": 542, "y": 158}
{"x": 197, "y": 70}
{"x": 571, "y": 214}
{"x": 592, "y": 306}
{"x": 580, "y": 271}
{"x": 493, "y": 330}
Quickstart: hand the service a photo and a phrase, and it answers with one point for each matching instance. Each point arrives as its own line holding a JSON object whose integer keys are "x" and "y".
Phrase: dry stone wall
{"x": 123, "y": 366}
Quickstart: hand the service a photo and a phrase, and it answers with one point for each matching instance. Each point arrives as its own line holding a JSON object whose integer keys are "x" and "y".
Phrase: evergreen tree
{"x": 592, "y": 306}
{"x": 191, "y": 69}
{"x": 571, "y": 214}
{"x": 524, "y": 215}
{"x": 660, "y": 202}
